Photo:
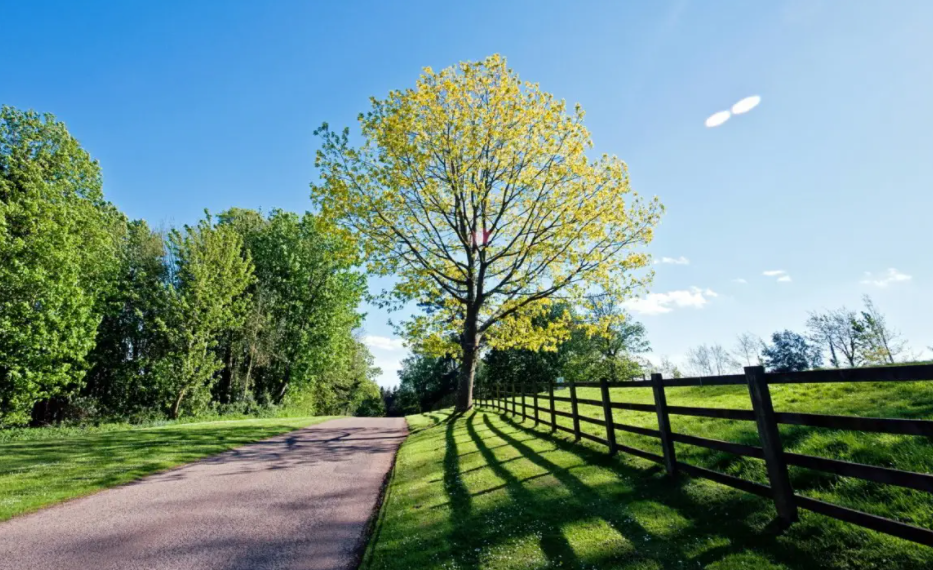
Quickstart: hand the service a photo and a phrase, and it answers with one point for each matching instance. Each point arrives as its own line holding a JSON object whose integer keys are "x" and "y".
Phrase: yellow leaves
{"x": 474, "y": 150}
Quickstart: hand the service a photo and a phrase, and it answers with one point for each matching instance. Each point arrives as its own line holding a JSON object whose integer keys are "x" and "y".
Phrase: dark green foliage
{"x": 429, "y": 378}
{"x": 790, "y": 352}
{"x": 129, "y": 342}
{"x": 400, "y": 401}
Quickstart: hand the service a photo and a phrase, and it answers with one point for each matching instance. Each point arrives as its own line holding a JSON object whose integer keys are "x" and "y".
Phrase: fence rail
{"x": 766, "y": 419}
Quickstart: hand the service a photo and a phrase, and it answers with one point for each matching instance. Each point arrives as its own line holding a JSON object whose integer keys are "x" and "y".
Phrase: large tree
{"x": 208, "y": 278}
{"x": 57, "y": 241}
{"x": 476, "y": 191}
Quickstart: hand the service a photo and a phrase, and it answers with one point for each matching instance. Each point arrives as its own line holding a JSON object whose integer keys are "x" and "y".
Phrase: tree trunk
{"x": 469, "y": 343}
{"x": 467, "y": 374}
{"x": 177, "y": 405}
{"x": 249, "y": 370}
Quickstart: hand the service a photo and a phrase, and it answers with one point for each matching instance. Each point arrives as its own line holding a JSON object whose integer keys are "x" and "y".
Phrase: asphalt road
{"x": 301, "y": 500}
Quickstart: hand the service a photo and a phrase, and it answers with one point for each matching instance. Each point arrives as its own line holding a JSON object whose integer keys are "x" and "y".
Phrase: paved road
{"x": 297, "y": 501}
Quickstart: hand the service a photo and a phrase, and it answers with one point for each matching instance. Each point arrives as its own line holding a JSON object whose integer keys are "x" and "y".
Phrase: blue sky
{"x": 209, "y": 104}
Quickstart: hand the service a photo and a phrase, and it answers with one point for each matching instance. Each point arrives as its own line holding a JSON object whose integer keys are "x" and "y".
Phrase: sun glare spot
{"x": 717, "y": 119}
{"x": 746, "y": 105}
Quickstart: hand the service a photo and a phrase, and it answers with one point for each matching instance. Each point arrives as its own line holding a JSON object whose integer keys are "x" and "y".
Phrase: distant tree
{"x": 836, "y": 332}
{"x": 57, "y": 255}
{"x": 712, "y": 360}
{"x": 615, "y": 337}
{"x": 476, "y": 189}
{"x": 747, "y": 351}
{"x": 430, "y": 378}
{"x": 350, "y": 384}
{"x": 666, "y": 368}
{"x": 790, "y": 352}
{"x": 400, "y": 401}
{"x": 877, "y": 342}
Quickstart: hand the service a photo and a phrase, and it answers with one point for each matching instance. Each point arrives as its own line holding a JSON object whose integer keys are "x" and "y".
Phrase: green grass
{"x": 47, "y": 466}
{"x": 487, "y": 491}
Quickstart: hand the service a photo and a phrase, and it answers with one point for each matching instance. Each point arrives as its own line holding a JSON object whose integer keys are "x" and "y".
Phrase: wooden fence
{"x": 767, "y": 420}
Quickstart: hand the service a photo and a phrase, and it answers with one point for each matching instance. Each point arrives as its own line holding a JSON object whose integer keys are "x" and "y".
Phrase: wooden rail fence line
{"x": 771, "y": 450}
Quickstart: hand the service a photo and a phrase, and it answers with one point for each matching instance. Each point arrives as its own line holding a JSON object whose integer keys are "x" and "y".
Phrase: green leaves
{"x": 475, "y": 190}
{"x": 57, "y": 252}
{"x": 245, "y": 309}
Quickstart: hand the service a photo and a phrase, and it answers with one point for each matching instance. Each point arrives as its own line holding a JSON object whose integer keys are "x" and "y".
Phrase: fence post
{"x": 771, "y": 443}
{"x": 514, "y": 406}
{"x": 574, "y": 411}
{"x": 607, "y": 414}
{"x": 550, "y": 393}
{"x": 534, "y": 400}
{"x": 664, "y": 424}
{"x": 524, "y": 408}
{"x": 498, "y": 405}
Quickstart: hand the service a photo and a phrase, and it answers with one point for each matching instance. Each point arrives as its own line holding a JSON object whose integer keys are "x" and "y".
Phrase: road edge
{"x": 364, "y": 555}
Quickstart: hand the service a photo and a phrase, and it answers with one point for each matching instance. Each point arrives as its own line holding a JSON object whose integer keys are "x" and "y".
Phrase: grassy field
{"x": 487, "y": 491}
{"x": 47, "y": 466}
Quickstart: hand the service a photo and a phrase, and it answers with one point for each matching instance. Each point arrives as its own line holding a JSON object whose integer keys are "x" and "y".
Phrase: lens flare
{"x": 746, "y": 105}
{"x": 717, "y": 119}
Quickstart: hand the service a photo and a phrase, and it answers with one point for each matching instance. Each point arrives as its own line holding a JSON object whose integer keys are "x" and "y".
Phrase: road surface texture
{"x": 301, "y": 500}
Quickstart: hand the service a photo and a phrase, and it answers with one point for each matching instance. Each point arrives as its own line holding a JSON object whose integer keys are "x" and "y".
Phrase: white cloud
{"x": 740, "y": 281}
{"x": 383, "y": 342}
{"x": 781, "y": 275}
{"x": 717, "y": 119}
{"x": 890, "y": 276}
{"x": 673, "y": 260}
{"x": 660, "y": 303}
{"x": 746, "y": 105}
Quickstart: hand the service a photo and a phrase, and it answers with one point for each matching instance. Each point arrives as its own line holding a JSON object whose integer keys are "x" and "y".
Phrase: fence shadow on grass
{"x": 731, "y": 518}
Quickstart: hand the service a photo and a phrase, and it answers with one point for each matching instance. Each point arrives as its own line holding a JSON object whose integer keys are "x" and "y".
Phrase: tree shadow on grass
{"x": 461, "y": 503}
{"x": 39, "y": 472}
{"x": 732, "y": 516}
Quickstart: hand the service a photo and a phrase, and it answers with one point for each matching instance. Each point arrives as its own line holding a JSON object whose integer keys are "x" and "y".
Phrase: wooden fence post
{"x": 574, "y": 411}
{"x": 771, "y": 443}
{"x": 664, "y": 424}
{"x": 550, "y": 393}
{"x": 514, "y": 406}
{"x": 534, "y": 400}
{"x": 524, "y": 408}
{"x": 607, "y": 414}
{"x": 498, "y": 398}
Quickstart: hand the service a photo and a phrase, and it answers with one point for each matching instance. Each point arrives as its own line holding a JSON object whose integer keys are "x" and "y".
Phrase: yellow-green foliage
{"x": 475, "y": 188}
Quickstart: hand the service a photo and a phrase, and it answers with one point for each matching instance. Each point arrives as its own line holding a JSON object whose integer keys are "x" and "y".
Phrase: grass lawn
{"x": 486, "y": 491}
{"x": 41, "y": 469}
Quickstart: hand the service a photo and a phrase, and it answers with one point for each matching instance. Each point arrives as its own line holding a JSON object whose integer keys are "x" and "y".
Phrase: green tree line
{"x": 603, "y": 341}
{"x": 104, "y": 317}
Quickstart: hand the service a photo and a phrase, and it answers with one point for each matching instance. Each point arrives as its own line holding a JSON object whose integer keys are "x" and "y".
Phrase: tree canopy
{"x": 476, "y": 190}
{"x": 104, "y": 318}
{"x": 57, "y": 245}
{"x": 790, "y": 352}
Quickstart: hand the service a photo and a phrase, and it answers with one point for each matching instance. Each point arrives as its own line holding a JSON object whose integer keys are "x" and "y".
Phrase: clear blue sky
{"x": 211, "y": 104}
